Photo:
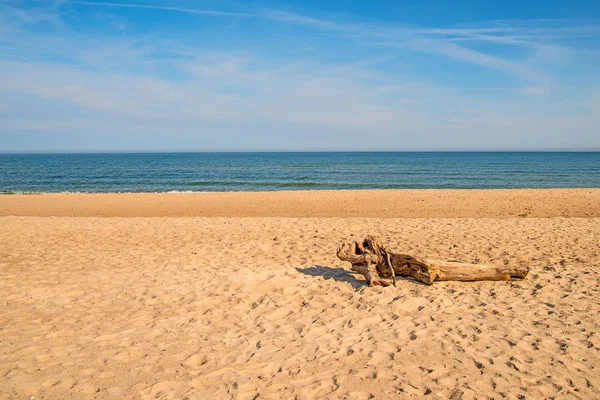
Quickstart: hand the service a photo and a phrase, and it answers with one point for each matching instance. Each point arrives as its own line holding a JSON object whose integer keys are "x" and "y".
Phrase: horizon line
{"x": 100, "y": 152}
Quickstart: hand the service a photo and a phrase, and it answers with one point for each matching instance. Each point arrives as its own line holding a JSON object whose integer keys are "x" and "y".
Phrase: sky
{"x": 272, "y": 75}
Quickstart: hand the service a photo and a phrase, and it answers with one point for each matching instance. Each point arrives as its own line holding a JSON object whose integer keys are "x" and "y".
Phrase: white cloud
{"x": 240, "y": 98}
{"x": 194, "y": 11}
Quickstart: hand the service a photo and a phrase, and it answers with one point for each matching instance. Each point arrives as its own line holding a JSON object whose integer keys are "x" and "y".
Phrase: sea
{"x": 218, "y": 172}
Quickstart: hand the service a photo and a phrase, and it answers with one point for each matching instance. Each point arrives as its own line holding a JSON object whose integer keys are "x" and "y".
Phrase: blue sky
{"x": 181, "y": 75}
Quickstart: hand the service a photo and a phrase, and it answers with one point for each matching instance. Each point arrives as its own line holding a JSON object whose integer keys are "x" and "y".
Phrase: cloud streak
{"x": 192, "y": 11}
{"x": 441, "y": 41}
{"x": 163, "y": 88}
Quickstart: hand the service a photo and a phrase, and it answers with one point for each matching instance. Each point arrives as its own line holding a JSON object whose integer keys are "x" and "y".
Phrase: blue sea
{"x": 212, "y": 172}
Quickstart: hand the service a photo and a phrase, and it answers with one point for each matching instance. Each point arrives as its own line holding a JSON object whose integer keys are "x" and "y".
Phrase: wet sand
{"x": 449, "y": 203}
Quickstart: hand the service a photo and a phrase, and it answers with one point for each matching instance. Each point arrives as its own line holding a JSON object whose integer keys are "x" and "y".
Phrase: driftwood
{"x": 370, "y": 258}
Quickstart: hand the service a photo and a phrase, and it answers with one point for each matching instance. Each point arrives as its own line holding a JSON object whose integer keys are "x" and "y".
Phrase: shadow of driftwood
{"x": 337, "y": 274}
{"x": 342, "y": 275}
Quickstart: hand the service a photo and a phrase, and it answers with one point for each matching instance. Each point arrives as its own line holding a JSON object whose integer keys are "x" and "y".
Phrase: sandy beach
{"x": 436, "y": 203}
{"x": 241, "y": 296}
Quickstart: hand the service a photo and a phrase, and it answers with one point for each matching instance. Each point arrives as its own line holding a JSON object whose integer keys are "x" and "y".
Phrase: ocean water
{"x": 207, "y": 172}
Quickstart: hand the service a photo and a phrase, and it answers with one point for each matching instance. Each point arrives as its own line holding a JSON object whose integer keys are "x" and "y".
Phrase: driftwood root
{"x": 371, "y": 259}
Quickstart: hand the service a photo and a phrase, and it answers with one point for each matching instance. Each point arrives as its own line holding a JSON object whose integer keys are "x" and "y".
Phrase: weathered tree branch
{"x": 370, "y": 258}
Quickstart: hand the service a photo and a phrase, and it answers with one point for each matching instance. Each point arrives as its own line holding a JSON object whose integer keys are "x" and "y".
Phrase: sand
{"x": 317, "y": 204}
{"x": 244, "y": 307}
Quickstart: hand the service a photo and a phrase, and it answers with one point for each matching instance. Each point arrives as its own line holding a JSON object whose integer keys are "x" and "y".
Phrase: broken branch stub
{"x": 371, "y": 259}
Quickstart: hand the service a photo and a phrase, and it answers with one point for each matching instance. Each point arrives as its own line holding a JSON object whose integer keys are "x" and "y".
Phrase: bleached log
{"x": 370, "y": 258}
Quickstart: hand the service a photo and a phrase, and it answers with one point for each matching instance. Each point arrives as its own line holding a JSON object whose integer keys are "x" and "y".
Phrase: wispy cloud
{"x": 442, "y": 41}
{"x": 164, "y": 8}
{"x": 312, "y": 88}
{"x": 287, "y": 17}
{"x": 461, "y": 53}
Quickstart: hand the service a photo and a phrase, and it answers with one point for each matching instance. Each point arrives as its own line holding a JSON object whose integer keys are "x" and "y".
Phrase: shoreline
{"x": 465, "y": 189}
{"x": 379, "y": 203}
